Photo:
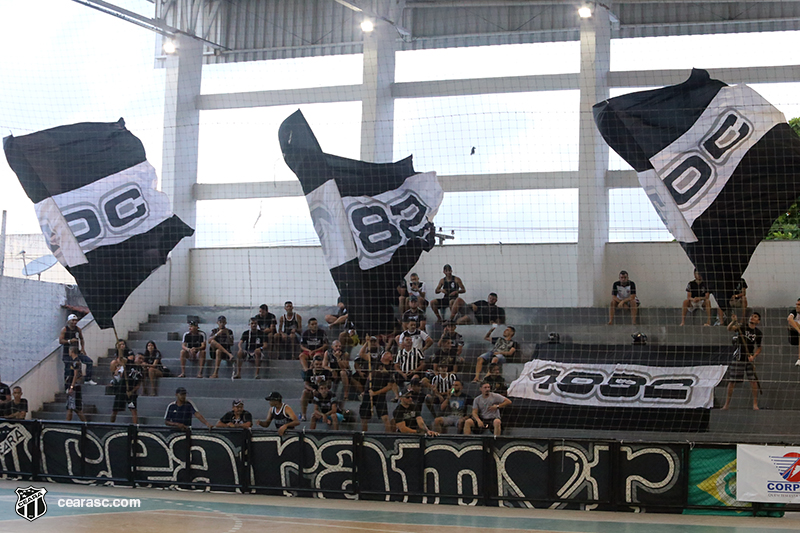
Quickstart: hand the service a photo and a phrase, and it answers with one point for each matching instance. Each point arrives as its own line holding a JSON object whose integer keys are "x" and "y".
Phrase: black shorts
{"x": 738, "y": 370}
{"x": 132, "y": 401}
{"x": 120, "y": 401}
{"x": 379, "y": 404}
{"x": 75, "y": 401}
{"x": 444, "y": 301}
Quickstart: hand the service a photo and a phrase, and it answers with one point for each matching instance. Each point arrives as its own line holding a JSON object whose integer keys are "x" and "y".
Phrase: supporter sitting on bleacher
{"x": 127, "y": 389}
{"x": 341, "y": 322}
{"x": 339, "y": 363}
{"x": 373, "y": 348}
{"x": 373, "y": 401}
{"x": 623, "y": 294}
{"x": 180, "y": 412}
{"x": 485, "y": 311}
{"x": 450, "y": 346}
{"x": 503, "y": 348}
{"x": 268, "y": 325}
{"x": 410, "y": 361}
{"x": 314, "y": 342}
{"x": 414, "y": 314}
{"x": 153, "y": 368}
{"x": 290, "y": 327}
{"x": 359, "y": 377}
{"x": 316, "y": 375}
{"x": 5, "y": 399}
{"x": 236, "y": 417}
{"x": 439, "y": 385}
{"x": 449, "y": 287}
{"x": 250, "y": 347}
{"x": 326, "y": 407}
{"x": 419, "y": 338}
{"x": 697, "y": 297}
{"x": 221, "y": 342}
{"x": 417, "y": 288}
{"x": 496, "y": 380}
{"x": 402, "y": 295}
{"x": 486, "y": 412}
{"x": 794, "y": 328}
{"x": 455, "y": 409}
{"x": 280, "y": 413}
{"x": 408, "y": 419}
{"x": 193, "y": 348}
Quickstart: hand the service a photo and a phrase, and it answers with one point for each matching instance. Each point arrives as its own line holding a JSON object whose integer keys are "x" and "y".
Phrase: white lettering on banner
{"x": 382, "y": 223}
{"x": 618, "y": 384}
{"x": 768, "y": 474}
{"x": 694, "y": 169}
{"x": 102, "y": 213}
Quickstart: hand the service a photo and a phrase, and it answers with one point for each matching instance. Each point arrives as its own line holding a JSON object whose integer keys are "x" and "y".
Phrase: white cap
{"x": 72, "y": 317}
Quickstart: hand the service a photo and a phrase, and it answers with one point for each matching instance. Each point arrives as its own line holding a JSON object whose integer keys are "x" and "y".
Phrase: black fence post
{"x": 615, "y": 477}
{"x": 486, "y": 466}
{"x": 37, "y": 451}
{"x": 82, "y": 447}
{"x": 133, "y": 438}
{"x": 358, "y": 454}
{"x": 245, "y": 456}
{"x": 189, "y": 458}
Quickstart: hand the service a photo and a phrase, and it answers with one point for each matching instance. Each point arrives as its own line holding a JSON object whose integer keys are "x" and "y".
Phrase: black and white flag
{"x": 718, "y": 162}
{"x": 373, "y": 220}
{"x": 101, "y": 215}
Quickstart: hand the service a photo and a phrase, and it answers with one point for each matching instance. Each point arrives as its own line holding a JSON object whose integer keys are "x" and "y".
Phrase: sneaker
{"x": 90, "y": 382}
{"x": 258, "y": 376}
{"x": 303, "y": 418}
{"x": 797, "y": 363}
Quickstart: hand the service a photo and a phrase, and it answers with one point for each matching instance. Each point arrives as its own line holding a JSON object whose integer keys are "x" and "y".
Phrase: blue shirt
{"x": 180, "y": 414}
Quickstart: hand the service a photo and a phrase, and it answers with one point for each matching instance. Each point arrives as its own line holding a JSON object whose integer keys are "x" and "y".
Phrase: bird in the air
{"x": 473, "y": 151}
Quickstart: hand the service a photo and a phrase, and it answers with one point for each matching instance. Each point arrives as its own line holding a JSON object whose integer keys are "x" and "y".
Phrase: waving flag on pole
{"x": 718, "y": 162}
{"x": 101, "y": 215}
{"x": 373, "y": 220}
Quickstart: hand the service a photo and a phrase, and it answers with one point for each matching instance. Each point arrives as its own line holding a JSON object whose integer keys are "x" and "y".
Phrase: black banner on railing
{"x": 461, "y": 470}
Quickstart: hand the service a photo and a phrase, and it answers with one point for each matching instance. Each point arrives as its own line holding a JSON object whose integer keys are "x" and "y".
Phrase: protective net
{"x": 541, "y": 242}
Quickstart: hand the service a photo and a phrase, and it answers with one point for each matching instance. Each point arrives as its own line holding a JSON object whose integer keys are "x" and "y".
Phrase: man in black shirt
{"x": 268, "y": 325}
{"x": 794, "y": 328}
{"x": 456, "y": 406}
{"x": 237, "y": 417}
{"x": 193, "y": 348}
{"x": 315, "y": 376}
{"x": 448, "y": 353}
{"x": 128, "y": 389}
{"x": 5, "y": 400}
{"x": 486, "y": 312}
{"x": 18, "y": 407}
{"x": 697, "y": 297}
{"x": 495, "y": 380}
{"x": 408, "y": 418}
{"x": 373, "y": 401}
{"x": 73, "y": 386}
{"x": 221, "y": 342}
{"x": 250, "y": 346}
{"x": 623, "y": 294}
{"x": 325, "y": 407}
{"x": 414, "y": 314}
{"x": 747, "y": 349}
{"x": 314, "y": 342}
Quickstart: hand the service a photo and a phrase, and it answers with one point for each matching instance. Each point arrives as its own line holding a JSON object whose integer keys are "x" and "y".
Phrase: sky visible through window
{"x": 87, "y": 66}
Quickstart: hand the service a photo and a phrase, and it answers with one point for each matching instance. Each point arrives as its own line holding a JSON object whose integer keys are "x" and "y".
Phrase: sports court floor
{"x": 178, "y": 512}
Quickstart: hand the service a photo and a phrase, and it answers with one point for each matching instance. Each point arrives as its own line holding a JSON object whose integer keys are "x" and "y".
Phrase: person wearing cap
{"x": 408, "y": 418}
{"x": 414, "y": 314}
{"x": 280, "y": 413}
{"x": 236, "y": 417}
{"x": 449, "y": 287}
{"x": 221, "y": 342}
{"x": 193, "y": 348}
{"x": 314, "y": 377}
{"x": 72, "y": 335}
{"x": 180, "y": 412}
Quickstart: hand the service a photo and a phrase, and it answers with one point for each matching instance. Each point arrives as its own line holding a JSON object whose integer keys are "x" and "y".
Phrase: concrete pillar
{"x": 179, "y": 171}
{"x": 377, "y": 104}
{"x": 593, "y": 161}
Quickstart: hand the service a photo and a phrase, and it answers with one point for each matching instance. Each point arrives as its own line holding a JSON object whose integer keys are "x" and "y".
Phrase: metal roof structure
{"x": 252, "y": 30}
